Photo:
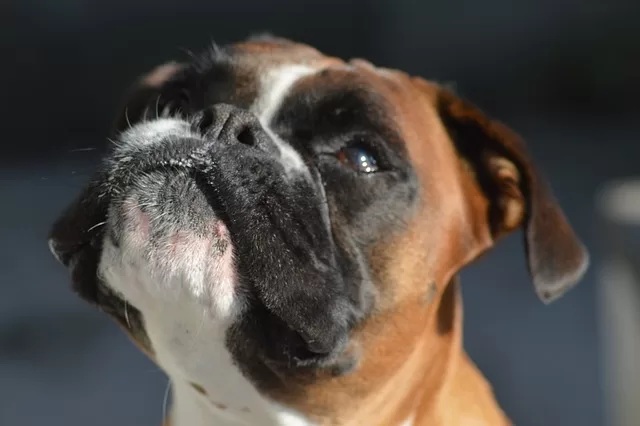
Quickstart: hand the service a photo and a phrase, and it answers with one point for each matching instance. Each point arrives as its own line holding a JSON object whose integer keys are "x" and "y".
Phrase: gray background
{"x": 563, "y": 73}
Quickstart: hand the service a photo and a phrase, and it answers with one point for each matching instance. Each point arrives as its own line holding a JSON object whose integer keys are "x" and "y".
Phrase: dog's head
{"x": 266, "y": 203}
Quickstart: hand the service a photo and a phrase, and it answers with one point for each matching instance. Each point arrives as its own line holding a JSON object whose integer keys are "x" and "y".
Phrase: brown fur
{"x": 413, "y": 365}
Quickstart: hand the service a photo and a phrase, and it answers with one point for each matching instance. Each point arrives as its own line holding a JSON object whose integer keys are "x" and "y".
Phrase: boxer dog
{"x": 281, "y": 230}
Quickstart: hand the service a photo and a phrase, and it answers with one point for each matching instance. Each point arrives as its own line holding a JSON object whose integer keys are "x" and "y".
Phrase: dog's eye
{"x": 358, "y": 158}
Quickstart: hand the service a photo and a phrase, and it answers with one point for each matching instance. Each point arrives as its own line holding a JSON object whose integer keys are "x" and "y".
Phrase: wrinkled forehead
{"x": 268, "y": 75}
{"x": 271, "y": 52}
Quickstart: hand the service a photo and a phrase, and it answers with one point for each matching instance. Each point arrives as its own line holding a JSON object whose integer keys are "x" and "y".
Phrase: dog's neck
{"x": 191, "y": 408}
{"x": 430, "y": 381}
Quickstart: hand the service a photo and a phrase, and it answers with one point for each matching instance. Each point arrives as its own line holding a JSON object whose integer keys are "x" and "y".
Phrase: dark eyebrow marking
{"x": 336, "y": 101}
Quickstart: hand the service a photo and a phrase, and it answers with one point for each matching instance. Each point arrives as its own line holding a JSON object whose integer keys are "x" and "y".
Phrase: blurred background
{"x": 564, "y": 73}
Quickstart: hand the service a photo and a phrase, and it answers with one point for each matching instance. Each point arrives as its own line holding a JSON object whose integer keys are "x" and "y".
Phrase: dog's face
{"x": 265, "y": 204}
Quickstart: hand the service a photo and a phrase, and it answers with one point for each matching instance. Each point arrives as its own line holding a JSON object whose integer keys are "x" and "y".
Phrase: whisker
{"x": 164, "y": 402}
{"x": 157, "y": 105}
{"x": 194, "y": 337}
{"x": 126, "y": 116}
{"x": 112, "y": 141}
{"x": 126, "y": 313}
{"x": 82, "y": 149}
{"x": 96, "y": 225}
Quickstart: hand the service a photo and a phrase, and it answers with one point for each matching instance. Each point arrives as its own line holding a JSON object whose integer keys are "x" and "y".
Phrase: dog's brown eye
{"x": 358, "y": 158}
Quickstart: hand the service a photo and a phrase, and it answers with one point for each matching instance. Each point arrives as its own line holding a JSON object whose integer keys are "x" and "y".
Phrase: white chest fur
{"x": 194, "y": 353}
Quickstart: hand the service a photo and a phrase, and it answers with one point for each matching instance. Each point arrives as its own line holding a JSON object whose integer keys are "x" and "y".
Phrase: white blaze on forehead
{"x": 275, "y": 85}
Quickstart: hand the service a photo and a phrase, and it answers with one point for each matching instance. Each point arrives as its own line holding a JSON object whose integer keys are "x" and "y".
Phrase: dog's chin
{"x": 165, "y": 246}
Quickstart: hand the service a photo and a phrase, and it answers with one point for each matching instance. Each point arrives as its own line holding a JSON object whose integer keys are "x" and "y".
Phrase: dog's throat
{"x": 192, "y": 406}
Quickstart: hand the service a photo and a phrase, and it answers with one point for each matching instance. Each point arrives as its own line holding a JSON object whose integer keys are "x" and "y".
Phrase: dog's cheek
{"x": 377, "y": 215}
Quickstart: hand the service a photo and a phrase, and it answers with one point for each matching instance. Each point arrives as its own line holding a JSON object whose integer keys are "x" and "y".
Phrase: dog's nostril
{"x": 237, "y": 126}
{"x": 247, "y": 136}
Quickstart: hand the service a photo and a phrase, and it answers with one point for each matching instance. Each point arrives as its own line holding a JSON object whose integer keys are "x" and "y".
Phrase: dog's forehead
{"x": 262, "y": 66}
{"x": 269, "y": 75}
{"x": 273, "y": 51}
{"x": 272, "y": 76}
{"x": 285, "y": 67}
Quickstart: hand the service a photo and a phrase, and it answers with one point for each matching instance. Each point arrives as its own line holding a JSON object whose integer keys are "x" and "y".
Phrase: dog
{"x": 281, "y": 231}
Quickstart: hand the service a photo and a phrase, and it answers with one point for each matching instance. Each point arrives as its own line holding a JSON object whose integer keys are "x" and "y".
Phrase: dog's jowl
{"x": 281, "y": 232}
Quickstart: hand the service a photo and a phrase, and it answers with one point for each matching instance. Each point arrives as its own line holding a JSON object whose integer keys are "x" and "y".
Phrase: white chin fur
{"x": 188, "y": 299}
{"x": 186, "y": 273}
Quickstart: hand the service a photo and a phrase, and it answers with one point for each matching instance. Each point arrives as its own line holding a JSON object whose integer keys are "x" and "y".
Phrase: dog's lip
{"x": 68, "y": 254}
{"x": 84, "y": 284}
{"x": 339, "y": 361}
{"x": 88, "y": 287}
{"x": 54, "y": 250}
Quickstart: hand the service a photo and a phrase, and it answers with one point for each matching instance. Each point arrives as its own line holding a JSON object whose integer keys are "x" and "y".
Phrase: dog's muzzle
{"x": 162, "y": 176}
{"x": 207, "y": 209}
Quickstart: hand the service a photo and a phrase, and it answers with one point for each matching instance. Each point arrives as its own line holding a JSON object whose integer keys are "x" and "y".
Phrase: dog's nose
{"x": 229, "y": 124}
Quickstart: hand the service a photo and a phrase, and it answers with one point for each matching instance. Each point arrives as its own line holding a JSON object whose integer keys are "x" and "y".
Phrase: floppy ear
{"x": 518, "y": 195}
{"x": 143, "y": 101}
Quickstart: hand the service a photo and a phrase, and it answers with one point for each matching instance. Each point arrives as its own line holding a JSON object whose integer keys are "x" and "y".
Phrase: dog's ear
{"x": 143, "y": 100}
{"x": 517, "y": 195}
